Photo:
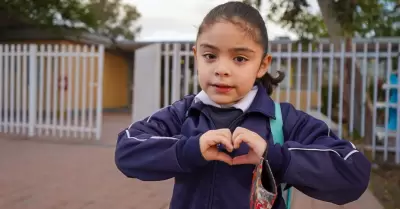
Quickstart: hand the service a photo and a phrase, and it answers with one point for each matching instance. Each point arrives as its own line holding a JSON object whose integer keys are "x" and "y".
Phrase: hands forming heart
{"x": 210, "y": 140}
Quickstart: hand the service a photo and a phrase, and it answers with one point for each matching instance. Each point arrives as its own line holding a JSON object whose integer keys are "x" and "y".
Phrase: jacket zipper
{"x": 210, "y": 197}
{"x": 234, "y": 122}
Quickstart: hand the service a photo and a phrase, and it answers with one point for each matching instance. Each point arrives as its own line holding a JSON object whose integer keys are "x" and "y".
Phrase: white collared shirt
{"x": 243, "y": 104}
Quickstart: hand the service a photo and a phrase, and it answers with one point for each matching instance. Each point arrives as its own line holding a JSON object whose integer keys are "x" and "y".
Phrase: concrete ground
{"x": 66, "y": 174}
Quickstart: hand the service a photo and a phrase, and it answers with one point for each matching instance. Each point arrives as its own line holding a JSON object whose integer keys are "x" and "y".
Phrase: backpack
{"x": 277, "y": 135}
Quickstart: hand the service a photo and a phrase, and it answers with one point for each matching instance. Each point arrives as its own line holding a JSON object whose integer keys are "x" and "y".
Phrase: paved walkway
{"x": 38, "y": 174}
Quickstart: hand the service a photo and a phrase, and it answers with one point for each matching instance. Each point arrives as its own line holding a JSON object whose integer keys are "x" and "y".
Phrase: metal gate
{"x": 339, "y": 86}
{"x": 51, "y": 91}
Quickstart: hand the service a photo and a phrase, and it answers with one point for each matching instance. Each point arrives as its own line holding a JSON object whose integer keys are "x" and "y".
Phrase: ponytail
{"x": 270, "y": 83}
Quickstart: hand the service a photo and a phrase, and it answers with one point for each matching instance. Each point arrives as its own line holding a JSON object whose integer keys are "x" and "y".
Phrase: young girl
{"x": 210, "y": 142}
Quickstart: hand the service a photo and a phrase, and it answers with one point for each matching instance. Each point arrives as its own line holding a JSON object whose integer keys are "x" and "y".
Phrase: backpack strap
{"x": 277, "y": 135}
{"x": 277, "y": 125}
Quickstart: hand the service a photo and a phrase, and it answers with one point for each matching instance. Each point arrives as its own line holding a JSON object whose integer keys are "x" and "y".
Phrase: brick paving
{"x": 37, "y": 174}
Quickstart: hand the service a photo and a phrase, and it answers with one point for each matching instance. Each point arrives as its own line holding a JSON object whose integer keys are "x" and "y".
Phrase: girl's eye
{"x": 240, "y": 59}
{"x": 209, "y": 56}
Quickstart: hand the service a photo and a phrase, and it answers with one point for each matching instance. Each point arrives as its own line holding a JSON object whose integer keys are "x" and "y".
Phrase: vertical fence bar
{"x": 2, "y": 95}
{"x": 100, "y": 66}
{"x": 330, "y": 82}
{"x": 320, "y": 72}
{"x": 278, "y": 67}
{"x": 48, "y": 88}
{"x": 289, "y": 70}
{"x": 25, "y": 81}
{"x": 309, "y": 77}
{"x": 84, "y": 92}
{"x": 298, "y": 79}
{"x": 195, "y": 81}
{"x": 12, "y": 88}
{"x": 364, "y": 88}
{"x": 187, "y": 72}
{"x": 69, "y": 90}
{"x": 352, "y": 86}
{"x": 341, "y": 88}
{"x": 32, "y": 89}
{"x": 387, "y": 102}
{"x": 6, "y": 88}
{"x": 56, "y": 90}
{"x": 41, "y": 89}
{"x": 166, "y": 74}
{"x": 19, "y": 123}
{"x": 77, "y": 81}
{"x": 374, "y": 115}
{"x": 92, "y": 81}
{"x": 176, "y": 73}
{"x": 63, "y": 84}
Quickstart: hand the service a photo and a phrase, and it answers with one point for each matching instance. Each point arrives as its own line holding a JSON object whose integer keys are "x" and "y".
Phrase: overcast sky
{"x": 168, "y": 20}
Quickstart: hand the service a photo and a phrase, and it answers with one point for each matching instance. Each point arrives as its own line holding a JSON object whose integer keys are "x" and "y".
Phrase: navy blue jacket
{"x": 313, "y": 159}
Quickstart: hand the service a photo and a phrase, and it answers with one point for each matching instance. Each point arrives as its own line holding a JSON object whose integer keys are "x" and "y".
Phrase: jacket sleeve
{"x": 316, "y": 162}
{"x": 153, "y": 149}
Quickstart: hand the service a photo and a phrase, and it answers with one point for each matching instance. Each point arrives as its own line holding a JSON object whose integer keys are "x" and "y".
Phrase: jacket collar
{"x": 256, "y": 100}
{"x": 243, "y": 104}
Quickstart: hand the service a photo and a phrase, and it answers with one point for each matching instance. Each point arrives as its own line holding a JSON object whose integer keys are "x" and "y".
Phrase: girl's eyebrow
{"x": 235, "y": 49}
{"x": 209, "y": 46}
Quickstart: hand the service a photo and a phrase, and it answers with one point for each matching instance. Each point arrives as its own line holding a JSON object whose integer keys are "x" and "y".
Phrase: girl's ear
{"x": 194, "y": 54}
{"x": 264, "y": 66}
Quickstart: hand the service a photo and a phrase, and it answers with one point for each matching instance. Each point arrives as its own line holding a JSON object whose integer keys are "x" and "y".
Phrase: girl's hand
{"x": 256, "y": 143}
{"x": 209, "y": 142}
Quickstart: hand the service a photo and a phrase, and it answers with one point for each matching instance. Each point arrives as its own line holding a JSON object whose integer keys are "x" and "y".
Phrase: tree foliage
{"x": 111, "y": 18}
{"x": 114, "y": 18}
{"x": 44, "y": 12}
{"x": 364, "y": 18}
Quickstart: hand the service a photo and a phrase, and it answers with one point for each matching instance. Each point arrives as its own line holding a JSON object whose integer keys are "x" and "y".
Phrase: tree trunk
{"x": 336, "y": 34}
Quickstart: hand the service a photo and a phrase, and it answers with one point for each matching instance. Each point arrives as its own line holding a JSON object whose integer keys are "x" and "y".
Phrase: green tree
{"x": 111, "y": 18}
{"x": 338, "y": 18}
{"x": 114, "y": 18}
{"x": 46, "y": 12}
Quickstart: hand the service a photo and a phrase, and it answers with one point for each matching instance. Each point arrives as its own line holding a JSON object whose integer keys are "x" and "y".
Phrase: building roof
{"x": 29, "y": 33}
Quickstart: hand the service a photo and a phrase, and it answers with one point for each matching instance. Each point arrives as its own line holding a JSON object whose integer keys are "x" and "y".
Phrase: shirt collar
{"x": 261, "y": 102}
{"x": 243, "y": 104}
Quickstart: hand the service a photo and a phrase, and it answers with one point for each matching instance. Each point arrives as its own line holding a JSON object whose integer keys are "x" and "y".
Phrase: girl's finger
{"x": 223, "y": 157}
{"x": 239, "y": 139}
{"x": 227, "y": 142}
{"x": 238, "y": 130}
{"x": 224, "y": 132}
{"x": 218, "y": 139}
{"x": 243, "y": 159}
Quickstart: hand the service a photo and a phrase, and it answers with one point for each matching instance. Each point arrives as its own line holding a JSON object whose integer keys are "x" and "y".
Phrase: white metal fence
{"x": 340, "y": 85}
{"x": 51, "y": 90}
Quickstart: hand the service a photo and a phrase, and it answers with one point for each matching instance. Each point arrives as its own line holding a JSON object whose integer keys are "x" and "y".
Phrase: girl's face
{"x": 228, "y": 61}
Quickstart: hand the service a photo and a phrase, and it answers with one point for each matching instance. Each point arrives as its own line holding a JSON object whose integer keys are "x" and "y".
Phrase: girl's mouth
{"x": 222, "y": 88}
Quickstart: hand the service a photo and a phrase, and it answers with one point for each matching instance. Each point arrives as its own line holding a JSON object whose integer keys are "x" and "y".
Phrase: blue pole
{"x": 392, "y": 125}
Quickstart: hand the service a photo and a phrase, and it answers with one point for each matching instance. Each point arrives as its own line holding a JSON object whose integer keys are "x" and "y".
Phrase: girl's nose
{"x": 222, "y": 72}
